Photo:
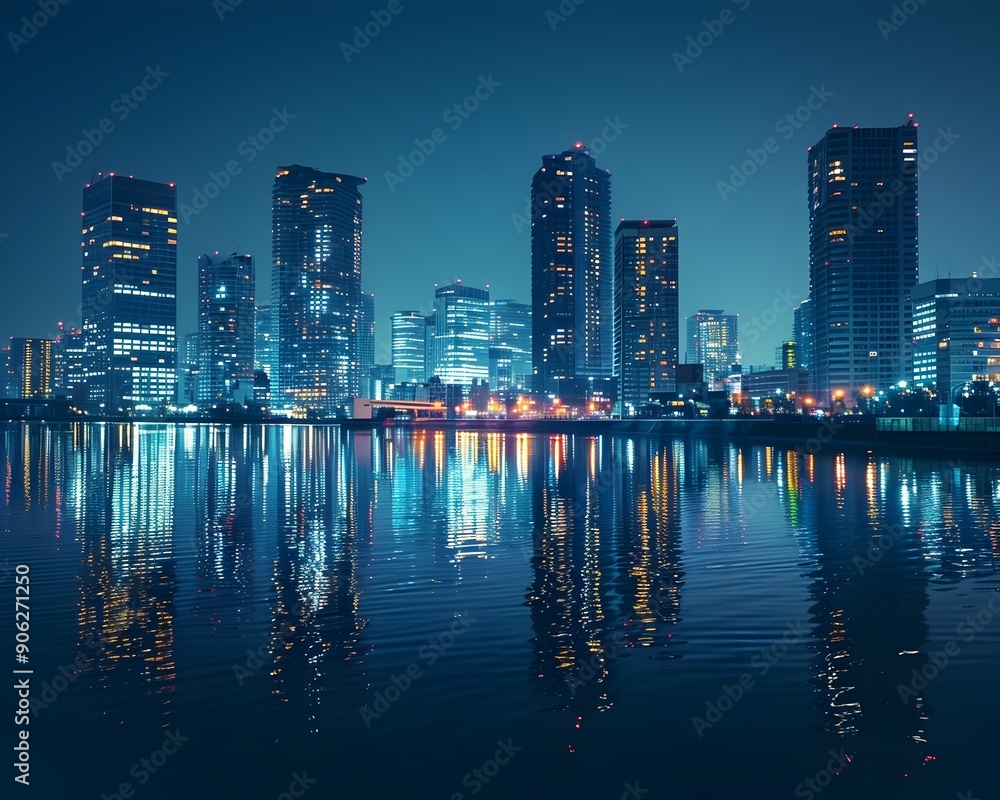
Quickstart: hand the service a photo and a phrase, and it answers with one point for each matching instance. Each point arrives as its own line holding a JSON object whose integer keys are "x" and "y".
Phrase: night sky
{"x": 677, "y": 128}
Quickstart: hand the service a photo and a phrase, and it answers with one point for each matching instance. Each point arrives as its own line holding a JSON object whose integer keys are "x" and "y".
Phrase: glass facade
{"x": 265, "y": 340}
{"x": 365, "y": 339}
{"x": 863, "y": 259}
{"x": 462, "y": 334}
{"x": 646, "y": 322}
{"x": 226, "y": 328}
{"x": 409, "y": 347}
{"x": 956, "y": 332}
{"x": 510, "y": 345}
{"x": 713, "y": 340}
{"x": 129, "y": 239}
{"x": 571, "y": 272}
{"x": 316, "y": 287}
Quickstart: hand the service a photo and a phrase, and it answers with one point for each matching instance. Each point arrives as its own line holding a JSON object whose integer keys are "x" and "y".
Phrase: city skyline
{"x": 709, "y": 145}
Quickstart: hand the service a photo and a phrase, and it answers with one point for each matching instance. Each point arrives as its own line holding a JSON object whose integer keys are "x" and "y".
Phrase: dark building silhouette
{"x": 571, "y": 270}
{"x": 862, "y": 256}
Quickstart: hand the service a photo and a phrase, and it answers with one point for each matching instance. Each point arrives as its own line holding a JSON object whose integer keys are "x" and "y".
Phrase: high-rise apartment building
{"x": 863, "y": 261}
{"x": 30, "y": 368}
{"x": 646, "y": 324}
{"x": 571, "y": 271}
{"x": 316, "y": 287}
{"x": 129, "y": 237}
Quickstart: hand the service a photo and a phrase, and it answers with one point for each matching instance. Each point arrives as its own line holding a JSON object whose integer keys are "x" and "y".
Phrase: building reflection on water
{"x": 606, "y": 563}
{"x": 274, "y": 528}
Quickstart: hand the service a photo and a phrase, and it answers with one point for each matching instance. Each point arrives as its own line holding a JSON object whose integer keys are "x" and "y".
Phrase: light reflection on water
{"x": 380, "y": 608}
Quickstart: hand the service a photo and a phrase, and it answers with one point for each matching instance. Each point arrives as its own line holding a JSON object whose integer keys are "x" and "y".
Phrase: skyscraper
{"x": 69, "y": 359}
{"x": 646, "y": 323}
{"x": 266, "y": 340}
{"x": 30, "y": 368}
{"x": 862, "y": 256}
{"x": 409, "y": 347}
{"x": 713, "y": 340}
{"x": 510, "y": 345}
{"x": 571, "y": 272}
{"x": 129, "y": 272}
{"x": 364, "y": 341}
{"x": 316, "y": 287}
{"x": 802, "y": 334}
{"x": 462, "y": 334}
{"x": 226, "y": 328}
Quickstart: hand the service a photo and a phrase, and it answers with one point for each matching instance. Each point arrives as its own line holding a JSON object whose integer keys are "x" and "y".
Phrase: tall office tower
{"x": 802, "y": 334}
{"x": 30, "y": 368}
{"x": 316, "y": 287}
{"x": 956, "y": 332}
{"x": 571, "y": 271}
{"x": 462, "y": 334}
{"x": 265, "y": 340}
{"x": 226, "y": 328}
{"x": 510, "y": 345}
{"x": 713, "y": 340}
{"x": 364, "y": 341}
{"x": 69, "y": 354}
{"x": 647, "y": 328}
{"x": 862, "y": 256}
{"x": 409, "y": 347}
{"x": 129, "y": 291}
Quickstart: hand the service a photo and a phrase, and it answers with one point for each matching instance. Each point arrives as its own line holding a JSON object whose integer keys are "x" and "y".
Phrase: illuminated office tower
{"x": 265, "y": 340}
{"x": 956, "y": 332}
{"x": 510, "y": 345}
{"x": 409, "y": 347}
{"x": 69, "y": 354}
{"x": 571, "y": 271}
{"x": 646, "y": 312}
{"x": 863, "y": 261}
{"x": 462, "y": 334}
{"x": 713, "y": 340}
{"x": 364, "y": 341}
{"x": 316, "y": 287}
{"x": 226, "y": 328}
{"x": 129, "y": 237}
